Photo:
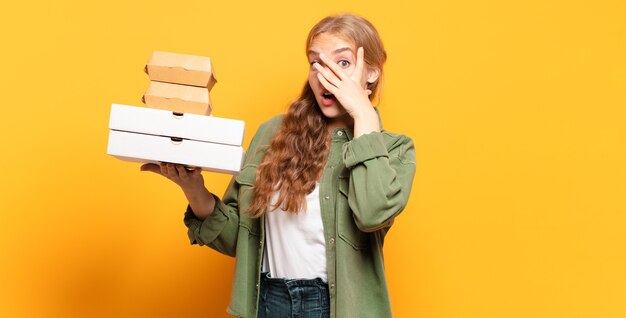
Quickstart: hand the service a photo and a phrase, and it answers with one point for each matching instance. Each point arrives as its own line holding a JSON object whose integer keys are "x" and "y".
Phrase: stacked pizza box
{"x": 176, "y": 126}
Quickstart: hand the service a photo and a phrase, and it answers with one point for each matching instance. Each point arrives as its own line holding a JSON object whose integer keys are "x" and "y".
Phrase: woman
{"x": 319, "y": 189}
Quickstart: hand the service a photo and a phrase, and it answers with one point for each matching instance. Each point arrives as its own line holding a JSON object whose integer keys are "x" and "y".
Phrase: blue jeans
{"x": 293, "y": 298}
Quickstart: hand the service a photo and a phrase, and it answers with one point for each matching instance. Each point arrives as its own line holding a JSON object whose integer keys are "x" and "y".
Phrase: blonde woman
{"x": 320, "y": 187}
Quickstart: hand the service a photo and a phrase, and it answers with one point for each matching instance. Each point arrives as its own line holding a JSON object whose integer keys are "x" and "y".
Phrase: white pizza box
{"x": 167, "y": 123}
{"x": 144, "y": 148}
{"x": 178, "y": 98}
{"x": 181, "y": 69}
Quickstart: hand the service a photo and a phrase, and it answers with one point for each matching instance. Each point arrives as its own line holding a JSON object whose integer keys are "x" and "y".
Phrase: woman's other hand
{"x": 187, "y": 179}
{"x": 351, "y": 91}
{"x": 191, "y": 182}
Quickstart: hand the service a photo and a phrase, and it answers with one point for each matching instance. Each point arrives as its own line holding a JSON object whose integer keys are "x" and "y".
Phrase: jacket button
{"x": 332, "y": 240}
{"x": 326, "y": 197}
{"x": 340, "y": 133}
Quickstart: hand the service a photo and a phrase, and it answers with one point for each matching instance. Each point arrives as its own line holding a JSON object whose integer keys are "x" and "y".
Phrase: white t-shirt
{"x": 294, "y": 242}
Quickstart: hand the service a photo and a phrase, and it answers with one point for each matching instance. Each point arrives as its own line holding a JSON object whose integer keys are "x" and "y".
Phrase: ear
{"x": 372, "y": 75}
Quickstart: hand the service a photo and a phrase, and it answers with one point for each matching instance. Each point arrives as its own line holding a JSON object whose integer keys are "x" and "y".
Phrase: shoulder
{"x": 393, "y": 140}
{"x": 262, "y": 139}
{"x": 267, "y": 130}
{"x": 399, "y": 145}
{"x": 271, "y": 125}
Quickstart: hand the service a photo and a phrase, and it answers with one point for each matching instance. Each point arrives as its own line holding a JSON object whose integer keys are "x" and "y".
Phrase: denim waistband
{"x": 288, "y": 282}
{"x": 284, "y": 297}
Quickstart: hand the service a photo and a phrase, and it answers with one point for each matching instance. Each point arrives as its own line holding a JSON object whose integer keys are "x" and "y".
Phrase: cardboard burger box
{"x": 181, "y": 69}
{"x": 178, "y": 98}
{"x": 141, "y": 134}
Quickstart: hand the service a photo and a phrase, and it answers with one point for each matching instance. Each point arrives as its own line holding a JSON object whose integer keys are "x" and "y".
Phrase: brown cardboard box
{"x": 178, "y": 98}
{"x": 181, "y": 69}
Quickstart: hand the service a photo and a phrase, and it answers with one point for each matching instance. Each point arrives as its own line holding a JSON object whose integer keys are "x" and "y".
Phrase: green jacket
{"x": 365, "y": 184}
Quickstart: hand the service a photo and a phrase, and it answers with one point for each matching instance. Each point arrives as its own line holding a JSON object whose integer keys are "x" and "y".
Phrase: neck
{"x": 345, "y": 121}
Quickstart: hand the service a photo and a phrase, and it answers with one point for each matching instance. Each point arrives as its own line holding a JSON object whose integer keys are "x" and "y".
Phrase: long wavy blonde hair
{"x": 297, "y": 155}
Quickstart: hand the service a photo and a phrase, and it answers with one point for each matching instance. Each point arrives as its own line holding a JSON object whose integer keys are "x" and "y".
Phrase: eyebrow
{"x": 337, "y": 51}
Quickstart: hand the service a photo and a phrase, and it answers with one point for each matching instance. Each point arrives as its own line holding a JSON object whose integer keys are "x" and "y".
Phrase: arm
{"x": 210, "y": 221}
{"x": 381, "y": 176}
{"x": 220, "y": 229}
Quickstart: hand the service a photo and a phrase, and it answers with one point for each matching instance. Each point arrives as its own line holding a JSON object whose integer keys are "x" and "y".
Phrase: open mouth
{"x": 328, "y": 99}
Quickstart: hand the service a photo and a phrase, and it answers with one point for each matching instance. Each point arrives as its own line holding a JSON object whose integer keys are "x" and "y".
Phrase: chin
{"x": 332, "y": 111}
{"x": 335, "y": 114}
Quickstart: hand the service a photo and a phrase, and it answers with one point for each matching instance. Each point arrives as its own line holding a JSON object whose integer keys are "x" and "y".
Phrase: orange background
{"x": 517, "y": 110}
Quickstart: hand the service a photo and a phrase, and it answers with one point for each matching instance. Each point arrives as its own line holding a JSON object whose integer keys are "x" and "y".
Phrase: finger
{"x": 328, "y": 86}
{"x": 328, "y": 75}
{"x": 193, "y": 170}
{"x": 196, "y": 171}
{"x": 369, "y": 92}
{"x": 163, "y": 168}
{"x": 182, "y": 172}
{"x": 333, "y": 66}
{"x": 150, "y": 167}
{"x": 358, "y": 71}
{"x": 171, "y": 172}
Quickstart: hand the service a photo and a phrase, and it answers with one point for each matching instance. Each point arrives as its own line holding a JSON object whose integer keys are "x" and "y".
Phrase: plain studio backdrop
{"x": 517, "y": 110}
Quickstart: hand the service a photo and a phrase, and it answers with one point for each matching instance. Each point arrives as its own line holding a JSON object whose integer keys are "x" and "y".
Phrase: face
{"x": 343, "y": 53}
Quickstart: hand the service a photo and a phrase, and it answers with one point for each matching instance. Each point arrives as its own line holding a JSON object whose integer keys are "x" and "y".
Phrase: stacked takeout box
{"x": 176, "y": 126}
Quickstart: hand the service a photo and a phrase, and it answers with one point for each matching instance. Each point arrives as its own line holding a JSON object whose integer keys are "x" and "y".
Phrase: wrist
{"x": 365, "y": 122}
{"x": 201, "y": 201}
{"x": 365, "y": 114}
{"x": 194, "y": 191}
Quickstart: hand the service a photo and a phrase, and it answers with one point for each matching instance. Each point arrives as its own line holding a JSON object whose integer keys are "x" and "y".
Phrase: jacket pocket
{"x": 346, "y": 226}
{"x": 246, "y": 179}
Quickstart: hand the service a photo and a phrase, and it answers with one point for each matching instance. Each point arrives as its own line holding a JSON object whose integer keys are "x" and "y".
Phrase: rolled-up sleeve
{"x": 220, "y": 229}
{"x": 381, "y": 176}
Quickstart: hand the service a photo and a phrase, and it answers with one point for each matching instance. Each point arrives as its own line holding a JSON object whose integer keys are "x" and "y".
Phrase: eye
{"x": 344, "y": 63}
